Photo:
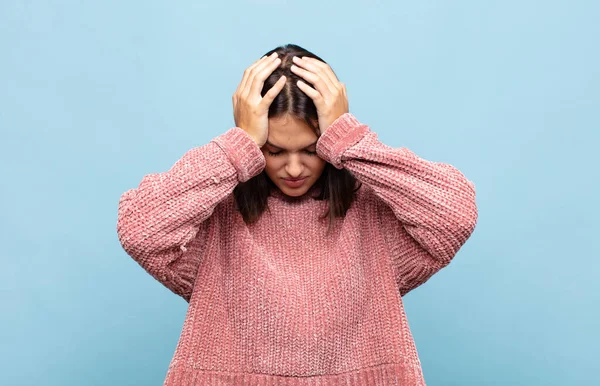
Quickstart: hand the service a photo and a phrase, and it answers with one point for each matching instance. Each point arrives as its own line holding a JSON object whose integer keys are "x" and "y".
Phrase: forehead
{"x": 290, "y": 133}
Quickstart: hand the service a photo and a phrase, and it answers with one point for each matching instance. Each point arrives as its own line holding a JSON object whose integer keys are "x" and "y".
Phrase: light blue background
{"x": 95, "y": 95}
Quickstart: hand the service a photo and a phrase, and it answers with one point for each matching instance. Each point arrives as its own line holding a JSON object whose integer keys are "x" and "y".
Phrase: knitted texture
{"x": 280, "y": 301}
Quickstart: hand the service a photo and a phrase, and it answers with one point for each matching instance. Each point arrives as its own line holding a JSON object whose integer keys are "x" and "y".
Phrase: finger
{"x": 252, "y": 74}
{"x": 272, "y": 93}
{"x": 261, "y": 74}
{"x": 247, "y": 73}
{"x": 325, "y": 71}
{"x": 311, "y": 92}
{"x": 313, "y": 75}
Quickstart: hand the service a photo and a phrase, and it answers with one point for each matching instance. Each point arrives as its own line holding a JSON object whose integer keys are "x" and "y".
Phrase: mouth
{"x": 295, "y": 183}
{"x": 294, "y": 179}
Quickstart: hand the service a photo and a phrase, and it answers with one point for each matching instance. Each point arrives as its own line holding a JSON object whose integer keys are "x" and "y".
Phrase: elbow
{"x": 130, "y": 231}
{"x": 465, "y": 221}
{"x": 129, "y": 238}
{"x": 461, "y": 224}
{"x": 470, "y": 213}
{"x": 466, "y": 212}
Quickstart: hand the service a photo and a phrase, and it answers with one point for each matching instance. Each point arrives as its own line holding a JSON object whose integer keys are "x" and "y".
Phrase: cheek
{"x": 316, "y": 164}
{"x": 273, "y": 164}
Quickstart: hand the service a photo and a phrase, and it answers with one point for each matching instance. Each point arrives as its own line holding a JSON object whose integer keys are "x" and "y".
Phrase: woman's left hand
{"x": 330, "y": 95}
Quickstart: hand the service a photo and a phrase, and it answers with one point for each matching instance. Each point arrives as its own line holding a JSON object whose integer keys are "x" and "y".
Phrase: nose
{"x": 294, "y": 166}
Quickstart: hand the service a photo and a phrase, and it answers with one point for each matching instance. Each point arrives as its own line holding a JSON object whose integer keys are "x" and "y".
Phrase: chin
{"x": 294, "y": 192}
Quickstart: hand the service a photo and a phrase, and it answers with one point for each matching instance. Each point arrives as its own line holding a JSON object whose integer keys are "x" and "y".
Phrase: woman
{"x": 293, "y": 237}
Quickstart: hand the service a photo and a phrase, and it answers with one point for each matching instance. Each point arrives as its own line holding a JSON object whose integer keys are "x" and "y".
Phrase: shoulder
{"x": 365, "y": 201}
{"x": 365, "y": 197}
{"x": 370, "y": 205}
{"x": 226, "y": 209}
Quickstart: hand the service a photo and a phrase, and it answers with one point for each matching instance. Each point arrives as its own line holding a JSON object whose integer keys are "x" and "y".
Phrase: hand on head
{"x": 251, "y": 110}
{"x": 328, "y": 94}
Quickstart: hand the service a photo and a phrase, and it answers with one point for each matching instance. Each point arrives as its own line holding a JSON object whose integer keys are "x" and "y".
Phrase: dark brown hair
{"x": 338, "y": 186}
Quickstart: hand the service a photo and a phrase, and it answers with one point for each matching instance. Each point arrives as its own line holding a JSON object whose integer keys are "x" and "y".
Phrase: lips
{"x": 294, "y": 179}
{"x": 295, "y": 183}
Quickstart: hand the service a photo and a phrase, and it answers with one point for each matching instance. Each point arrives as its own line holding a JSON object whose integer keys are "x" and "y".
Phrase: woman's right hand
{"x": 250, "y": 109}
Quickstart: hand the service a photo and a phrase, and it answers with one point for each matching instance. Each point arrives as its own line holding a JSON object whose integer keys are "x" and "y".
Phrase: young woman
{"x": 294, "y": 236}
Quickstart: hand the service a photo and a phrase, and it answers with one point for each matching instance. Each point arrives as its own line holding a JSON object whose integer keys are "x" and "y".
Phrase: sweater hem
{"x": 396, "y": 374}
{"x": 342, "y": 134}
{"x": 243, "y": 152}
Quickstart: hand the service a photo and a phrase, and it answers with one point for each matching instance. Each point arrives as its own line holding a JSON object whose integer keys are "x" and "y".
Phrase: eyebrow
{"x": 280, "y": 148}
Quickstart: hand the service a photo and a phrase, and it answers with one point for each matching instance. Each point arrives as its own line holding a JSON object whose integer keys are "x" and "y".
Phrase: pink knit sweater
{"x": 279, "y": 302}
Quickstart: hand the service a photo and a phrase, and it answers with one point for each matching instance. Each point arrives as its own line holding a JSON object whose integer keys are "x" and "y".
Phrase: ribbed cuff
{"x": 342, "y": 134}
{"x": 243, "y": 152}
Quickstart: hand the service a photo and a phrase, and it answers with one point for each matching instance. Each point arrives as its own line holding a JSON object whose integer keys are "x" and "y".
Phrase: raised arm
{"x": 426, "y": 209}
{"x": 163, "y": 224}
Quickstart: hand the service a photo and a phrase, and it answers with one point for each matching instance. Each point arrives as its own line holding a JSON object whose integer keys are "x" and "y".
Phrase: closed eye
{"x": 279, "y": 152}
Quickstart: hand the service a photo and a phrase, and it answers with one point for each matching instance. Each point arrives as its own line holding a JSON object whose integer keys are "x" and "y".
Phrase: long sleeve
{"x": 427, "y": 209}
{"x": 163, "y": 224}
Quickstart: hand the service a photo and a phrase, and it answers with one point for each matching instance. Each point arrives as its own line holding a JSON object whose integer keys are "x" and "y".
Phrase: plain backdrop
{"x": 96, "y": 94}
